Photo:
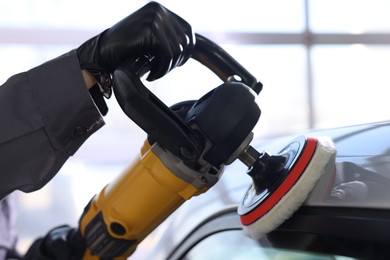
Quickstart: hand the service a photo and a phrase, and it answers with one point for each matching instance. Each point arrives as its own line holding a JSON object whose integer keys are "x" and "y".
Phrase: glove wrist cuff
{"x": 104, "y": 81}
{"x": 88, "y": 59}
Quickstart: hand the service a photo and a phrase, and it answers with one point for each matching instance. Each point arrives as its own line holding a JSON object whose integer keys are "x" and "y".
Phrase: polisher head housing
{"x": 278, "y": 191}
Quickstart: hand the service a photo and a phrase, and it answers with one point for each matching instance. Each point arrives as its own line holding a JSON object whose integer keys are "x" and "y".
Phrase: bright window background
{"x": 322, "y": 63}
{"x": 351, "y": 83}
{"x": 350, "y": 16}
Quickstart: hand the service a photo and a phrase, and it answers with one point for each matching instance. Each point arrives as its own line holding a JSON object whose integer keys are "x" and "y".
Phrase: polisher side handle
{"x": 222, "y": 63}
{"x": 160, "y": 122}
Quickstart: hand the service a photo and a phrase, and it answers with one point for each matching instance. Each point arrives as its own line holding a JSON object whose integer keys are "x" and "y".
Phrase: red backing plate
{"x": 286, "y": 185}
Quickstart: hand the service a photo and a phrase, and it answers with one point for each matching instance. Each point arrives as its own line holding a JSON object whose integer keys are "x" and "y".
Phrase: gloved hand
{"x": 153, "y": 30}
{"x": 53, "y": 246}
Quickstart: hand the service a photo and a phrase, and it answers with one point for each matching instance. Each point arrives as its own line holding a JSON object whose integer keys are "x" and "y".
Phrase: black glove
{"x": 153, "y": 30}
{"x": 53, "y": 246}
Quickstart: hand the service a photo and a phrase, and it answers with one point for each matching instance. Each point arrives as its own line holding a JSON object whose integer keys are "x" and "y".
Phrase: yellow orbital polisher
{"x": 187, "y": 148}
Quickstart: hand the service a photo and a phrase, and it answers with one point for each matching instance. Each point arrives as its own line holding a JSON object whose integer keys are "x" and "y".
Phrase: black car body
{"x": 347, "y": 214}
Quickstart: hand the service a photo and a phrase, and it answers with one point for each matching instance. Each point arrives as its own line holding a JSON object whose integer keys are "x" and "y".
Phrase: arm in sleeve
{"x": 46, "y": 114}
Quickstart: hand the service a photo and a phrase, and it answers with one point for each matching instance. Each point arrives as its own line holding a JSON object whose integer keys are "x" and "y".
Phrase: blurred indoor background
{"x": 322, "y": 63}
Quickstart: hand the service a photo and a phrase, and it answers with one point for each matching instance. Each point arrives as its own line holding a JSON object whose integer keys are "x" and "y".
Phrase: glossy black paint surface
{"x": 350, "y": 205}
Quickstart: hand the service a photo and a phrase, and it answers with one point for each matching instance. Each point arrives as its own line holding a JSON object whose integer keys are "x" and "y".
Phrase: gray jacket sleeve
{"x": 46, "y": 114}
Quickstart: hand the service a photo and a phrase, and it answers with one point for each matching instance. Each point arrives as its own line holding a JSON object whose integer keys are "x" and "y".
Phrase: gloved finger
{"x": 177, "y": 42}
{"x": 182, "y": 42}
{"x": 176, "y": 31}
{"x": 173, "y": 50}
{"x": 162, "y": 60}
{"x": 186, "y": 39}
{"x": 186, "y": 49}
{"x": 168, "y": 50}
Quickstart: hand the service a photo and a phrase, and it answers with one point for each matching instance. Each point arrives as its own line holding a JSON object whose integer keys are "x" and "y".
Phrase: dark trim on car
{"x": 354, "y": 232}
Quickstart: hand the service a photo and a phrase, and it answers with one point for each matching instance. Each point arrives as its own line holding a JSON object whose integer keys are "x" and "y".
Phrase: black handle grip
{"x": 216, "y": 59}
{"x": 222, "y": 63}
{"x": 160, "y": 122}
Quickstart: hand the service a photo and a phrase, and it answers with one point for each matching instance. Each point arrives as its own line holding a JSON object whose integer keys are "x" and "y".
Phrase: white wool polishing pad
{"x": 308, "y": 158}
